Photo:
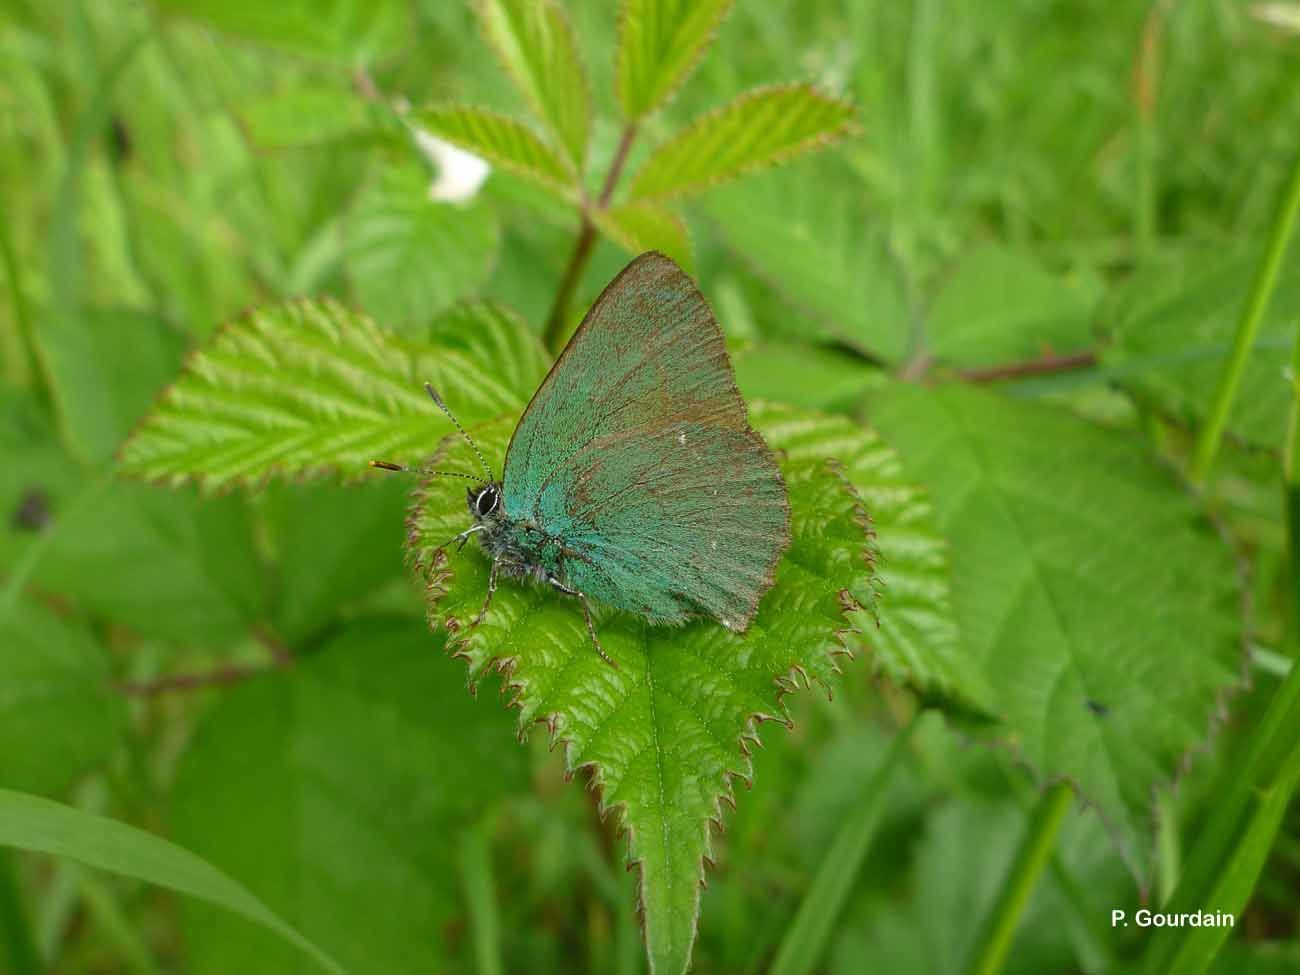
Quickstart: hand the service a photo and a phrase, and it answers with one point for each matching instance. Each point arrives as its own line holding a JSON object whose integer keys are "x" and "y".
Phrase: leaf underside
{"x": 665, "y": 734}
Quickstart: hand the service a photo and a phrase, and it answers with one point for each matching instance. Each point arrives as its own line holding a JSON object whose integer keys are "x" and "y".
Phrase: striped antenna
{"x": 387, "y": 465}
{"x": 437, "y": 401}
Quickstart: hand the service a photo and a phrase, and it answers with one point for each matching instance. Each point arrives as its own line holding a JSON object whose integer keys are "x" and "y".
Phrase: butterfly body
{"x": 634, "y": 477}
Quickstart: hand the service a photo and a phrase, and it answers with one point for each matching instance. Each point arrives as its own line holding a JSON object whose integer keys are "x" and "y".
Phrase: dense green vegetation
{"x": 1011, "y": 280}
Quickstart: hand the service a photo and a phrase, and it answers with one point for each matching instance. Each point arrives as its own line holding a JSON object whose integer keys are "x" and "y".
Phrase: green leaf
{"x": 58, "y": 714}
{"x": 41, "y": 826}
{"x": 535, "y": 42}
{"x": 917, "y": 642}
{"x": 660, "y": 42}
{"x": 305, "y": 117}
{"x": 337, "y": 793}
{"x": 167, "y": 564}
{"x": 1173, "y": 329}
{"x": 1000, "y": 304}
{"x": 104, "y": 369}
{"x": 334, "y": 545}
{"x": 1109, "y": 660}
{"x": 758, "y": 129}
{"x": 500, "y": 140}
{"x": 641, "y": 227}
{"x": 410, "y": 257}
{"x": 349, "y": 31}
{"x": 304, "y": 388}
{"x": 496, "y": 341}
{"x": 666, "y": 733}
{"x": 808, "y": 233}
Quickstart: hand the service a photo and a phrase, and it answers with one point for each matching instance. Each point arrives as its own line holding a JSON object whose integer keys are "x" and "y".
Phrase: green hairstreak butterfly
{"x": 634, "y": 477}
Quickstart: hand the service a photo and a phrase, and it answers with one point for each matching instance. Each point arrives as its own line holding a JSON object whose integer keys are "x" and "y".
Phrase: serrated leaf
{"x": 307, "y": 387}
{"x": 336, "y": 793}
{"x": 1172, "y": 332}
{"x": 58, "y": 714}
{"x": 496, "y": 340}
{"x": 917, "y": 642}
{"x": 410, "y": 257}
{"x": 660, "y": 42}
{"x": 665, "y": 734}
{"x": 500, "y": 140}
{"x": 41, "y": 826}
{"x": 1109, "y": 659}
{"x": 758, "y": 129}
{"x": 535, "y": 42}
{"x": 809, "y": 234}
{"x": 1000, "y": 304}
{"x": 641, "y": 227}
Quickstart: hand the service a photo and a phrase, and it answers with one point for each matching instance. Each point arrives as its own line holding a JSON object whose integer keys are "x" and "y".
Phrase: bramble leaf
{"x": 758, "y": 129}
{"x": 660, "y": 42}
{"x": 411, "y": 257}
{"x": 641, "y": 227}
{"x": 917, "y": 643}
{"x": 535, "y": 42}
{"x": 329, "y": 789}
{"x": 1109, "y": 659}
{"x": 667, "y": 732}
{"x": 310, "y": 387}
{"x": 501, "y": 140}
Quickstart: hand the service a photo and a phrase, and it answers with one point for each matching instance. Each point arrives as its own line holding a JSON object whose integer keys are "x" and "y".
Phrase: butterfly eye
{"x": 487, "y": 501}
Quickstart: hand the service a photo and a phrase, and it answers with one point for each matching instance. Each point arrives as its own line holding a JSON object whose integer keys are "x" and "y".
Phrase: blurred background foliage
{"x": 1033, "y": 178}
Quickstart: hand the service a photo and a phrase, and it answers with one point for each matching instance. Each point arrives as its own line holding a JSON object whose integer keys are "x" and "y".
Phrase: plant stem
{"x": 1207, "y": 440}
{"x": 1044, "y": 365}
{"x": 553, "y": 335}
{"x": 805, "y": 939}
{"x": 1034, "y": 854}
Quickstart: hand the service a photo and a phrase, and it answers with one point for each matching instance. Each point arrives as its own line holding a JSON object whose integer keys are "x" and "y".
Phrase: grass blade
{"x": 29, "y": 822}
{"x": 1034, "y": 853}
{"x": 1207, "y": 439}
{"x": 806, "y": 938}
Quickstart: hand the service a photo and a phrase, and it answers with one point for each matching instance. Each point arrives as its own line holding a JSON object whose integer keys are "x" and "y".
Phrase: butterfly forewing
{"x": 637, "y": 453}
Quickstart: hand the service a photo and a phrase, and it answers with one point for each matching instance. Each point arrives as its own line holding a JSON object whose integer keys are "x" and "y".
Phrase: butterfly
{"x": 634, "y": 477}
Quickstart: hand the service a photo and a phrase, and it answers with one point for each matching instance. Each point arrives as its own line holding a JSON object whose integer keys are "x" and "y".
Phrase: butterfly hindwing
{"x": 637, "y": 452}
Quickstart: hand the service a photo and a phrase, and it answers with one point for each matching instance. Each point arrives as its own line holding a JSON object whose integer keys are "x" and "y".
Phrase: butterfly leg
{"x": 586, "y": 614}
{"x": 463, "y": 538}
{"x": 491, "y": 591}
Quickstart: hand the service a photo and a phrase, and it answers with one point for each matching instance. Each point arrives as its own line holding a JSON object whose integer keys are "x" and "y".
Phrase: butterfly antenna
{"x": 437, "y": 401}
{"x": 387, "y": 465}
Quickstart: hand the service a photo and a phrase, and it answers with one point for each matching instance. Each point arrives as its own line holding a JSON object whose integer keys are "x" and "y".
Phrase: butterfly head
{"x": 484, "y": 501}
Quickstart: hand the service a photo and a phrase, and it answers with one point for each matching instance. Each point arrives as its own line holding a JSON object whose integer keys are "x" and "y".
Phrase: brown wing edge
{"x": 673, "y": 268}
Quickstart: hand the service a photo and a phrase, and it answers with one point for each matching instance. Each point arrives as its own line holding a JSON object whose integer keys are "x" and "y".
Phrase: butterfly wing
{"x": 636, "y": 451}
